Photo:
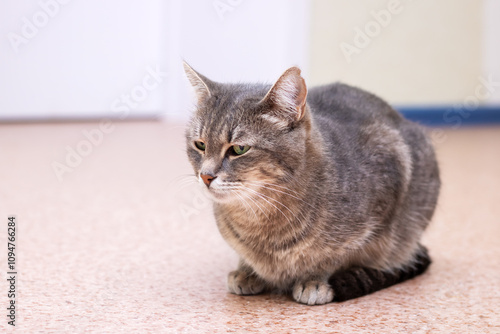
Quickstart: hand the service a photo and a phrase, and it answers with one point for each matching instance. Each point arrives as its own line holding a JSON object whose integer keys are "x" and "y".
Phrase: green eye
{"x": 239, "y": 150}
{"x": 200, "y": 145}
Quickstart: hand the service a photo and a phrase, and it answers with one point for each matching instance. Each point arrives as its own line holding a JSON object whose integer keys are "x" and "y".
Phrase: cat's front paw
{"x": 243, "y": 283}
{"x": 312, "y": 293}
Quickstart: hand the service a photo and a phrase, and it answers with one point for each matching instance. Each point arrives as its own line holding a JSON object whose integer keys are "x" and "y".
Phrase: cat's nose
{"x": 207, "y": 179}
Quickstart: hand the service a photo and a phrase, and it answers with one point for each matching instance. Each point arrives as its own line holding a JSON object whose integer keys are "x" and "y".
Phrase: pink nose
{"x": 207, "y": 179}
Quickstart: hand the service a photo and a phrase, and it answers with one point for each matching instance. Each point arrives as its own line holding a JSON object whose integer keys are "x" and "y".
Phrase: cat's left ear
{"x": 286, "y": 99}
{"x": 200, "y": 83}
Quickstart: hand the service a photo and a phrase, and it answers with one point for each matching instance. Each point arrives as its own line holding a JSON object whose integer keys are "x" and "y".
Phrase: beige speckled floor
{"x": 117, "y": 246}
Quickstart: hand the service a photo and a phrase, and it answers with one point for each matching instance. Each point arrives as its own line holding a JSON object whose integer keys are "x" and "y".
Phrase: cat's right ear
{"x": 200, "y": 83}
{"x": 286, "y": 100}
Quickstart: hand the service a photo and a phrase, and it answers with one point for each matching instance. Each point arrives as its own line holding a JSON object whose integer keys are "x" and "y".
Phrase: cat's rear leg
{"x": 357, "y": 282}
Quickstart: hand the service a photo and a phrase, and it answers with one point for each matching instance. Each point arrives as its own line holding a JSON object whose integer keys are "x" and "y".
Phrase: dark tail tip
{"x": 358, "y": 282}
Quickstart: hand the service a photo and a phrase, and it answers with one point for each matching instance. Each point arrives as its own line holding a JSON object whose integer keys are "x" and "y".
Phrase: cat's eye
{"x": 200, "y": 145}
{"x": 240, "y": 149}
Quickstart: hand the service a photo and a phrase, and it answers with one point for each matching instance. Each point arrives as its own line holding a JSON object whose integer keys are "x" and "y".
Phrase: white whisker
{"x": 256, "y": 203}
{"x": 264, "y": 185}
{"x": 262, "y": 196}
{"x": 246, "y": 204}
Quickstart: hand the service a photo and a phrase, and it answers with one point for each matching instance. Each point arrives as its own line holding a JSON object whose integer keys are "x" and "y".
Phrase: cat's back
{"x": 370, "y": 143}
{"x": 350, "y": 106}
{"x": 344, "y": 113}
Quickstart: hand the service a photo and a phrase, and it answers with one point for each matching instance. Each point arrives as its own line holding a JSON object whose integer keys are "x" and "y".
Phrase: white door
{"x": 64, "y": 59}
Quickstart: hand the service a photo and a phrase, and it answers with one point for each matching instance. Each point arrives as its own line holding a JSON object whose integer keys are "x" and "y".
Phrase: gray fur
{"x": 341, "y": 181}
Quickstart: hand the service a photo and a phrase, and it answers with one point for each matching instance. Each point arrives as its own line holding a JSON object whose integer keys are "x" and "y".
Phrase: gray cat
{"x": 323, "y": 194}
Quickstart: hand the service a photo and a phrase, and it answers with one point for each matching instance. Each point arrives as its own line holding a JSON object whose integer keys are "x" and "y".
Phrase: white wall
{"x": 491, "y": 46}
{"x": 409, "y": 52}
{"x": 84, "y": 59}
{"x": 234, "y": 40}
{"x": 90, "y": 59}
{"x": 81, "y": 58}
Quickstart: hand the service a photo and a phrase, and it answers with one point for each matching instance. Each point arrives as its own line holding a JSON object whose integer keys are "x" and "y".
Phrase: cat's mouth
{"x": 222, "y": 192}
{"x": 226, "y": 191}
{"x": 218, "y": 192}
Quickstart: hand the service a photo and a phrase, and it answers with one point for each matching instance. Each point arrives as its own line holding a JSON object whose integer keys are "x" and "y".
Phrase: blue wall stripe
{"x": 448, "y": 115}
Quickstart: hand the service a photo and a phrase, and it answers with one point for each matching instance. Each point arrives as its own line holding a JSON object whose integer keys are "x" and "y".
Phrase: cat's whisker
{"x": 181, "y": 178}
{"x": 292, "y": 191}
{"x": 256, "y": 203}
{"x": 262, "y": 196}
{"x": 300, "y": 212}
{"x": 239, "y": 190}
{"x": 264, "y": 185}
{"x": 183, "y": 181}
{"x": 185, "y": 185}
{"x": 273, "y": 199}
{"x": 245, "y": 203}
{"x": 272, "y": 184}
{"x": 298, "y": 219}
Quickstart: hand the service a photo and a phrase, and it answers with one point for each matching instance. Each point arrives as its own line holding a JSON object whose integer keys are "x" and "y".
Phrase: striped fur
{"x": 335, "y": 180}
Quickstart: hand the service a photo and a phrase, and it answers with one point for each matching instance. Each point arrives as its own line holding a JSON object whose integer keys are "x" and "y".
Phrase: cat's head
{"x": 245, "y": 138}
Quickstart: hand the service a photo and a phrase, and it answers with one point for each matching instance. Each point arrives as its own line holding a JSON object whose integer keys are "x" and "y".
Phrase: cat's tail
{"x": 358, "y": 282}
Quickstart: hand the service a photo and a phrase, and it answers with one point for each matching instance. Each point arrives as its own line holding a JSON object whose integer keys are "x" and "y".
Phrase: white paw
{"x": 243, "y": 283}
{"x": 313, "y": 293}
